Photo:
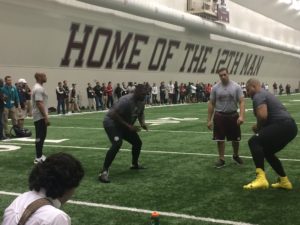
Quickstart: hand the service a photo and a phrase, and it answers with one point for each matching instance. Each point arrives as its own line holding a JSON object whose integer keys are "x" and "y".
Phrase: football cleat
{"x": 103, "y": 177}
{"x": 260, "y": 181}
{"x": 39, "y": 160}
{"x": 283, "y": 183}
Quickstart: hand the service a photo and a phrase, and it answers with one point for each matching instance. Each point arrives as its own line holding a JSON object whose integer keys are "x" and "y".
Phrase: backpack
{"x": 16, "y": 131}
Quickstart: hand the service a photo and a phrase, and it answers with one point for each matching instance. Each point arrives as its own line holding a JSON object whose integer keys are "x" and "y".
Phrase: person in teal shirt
{"x": 12, "y": 101}
{"x": 1, "y": 109}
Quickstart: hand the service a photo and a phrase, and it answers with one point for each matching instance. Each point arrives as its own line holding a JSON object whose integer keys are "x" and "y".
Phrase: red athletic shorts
{"x": 225, "y": 126}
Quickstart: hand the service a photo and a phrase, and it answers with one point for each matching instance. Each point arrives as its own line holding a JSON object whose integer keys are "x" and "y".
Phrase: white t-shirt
{"x": 193, "y": 88}
{"x": 170, "y": 88}
{"x": 154, "y": 90}
{"x": 46, "y": 215}
{"x": 38, "y": 94}
{"x": 130, "y": 89}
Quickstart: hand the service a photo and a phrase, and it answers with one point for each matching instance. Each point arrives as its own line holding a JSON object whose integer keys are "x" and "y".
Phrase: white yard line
{"x": 29, "y": 139}
{"x": 143, "y": 150}
{"x": 145, "y": 211}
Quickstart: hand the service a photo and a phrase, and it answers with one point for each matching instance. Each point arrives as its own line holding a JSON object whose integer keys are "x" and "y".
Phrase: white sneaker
{"x": 39, "y": 160}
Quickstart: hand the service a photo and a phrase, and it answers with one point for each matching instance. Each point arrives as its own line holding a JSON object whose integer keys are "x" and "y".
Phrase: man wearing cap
{"x": 12, "y": 98}
{"x": 73, "y": 99}
{"x": 28, "y": 98}
{"x": 21, "y": 113}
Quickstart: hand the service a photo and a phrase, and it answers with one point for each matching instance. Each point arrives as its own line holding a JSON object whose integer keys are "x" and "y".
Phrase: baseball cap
{"x": 22, "y": 80}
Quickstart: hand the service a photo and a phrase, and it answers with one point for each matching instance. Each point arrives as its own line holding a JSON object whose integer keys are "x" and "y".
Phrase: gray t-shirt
{"x": 276, "y": 111}
{"x": 127, "y": 108}
{"x": 226, "y": 97}
{"x": 38, "y": 94}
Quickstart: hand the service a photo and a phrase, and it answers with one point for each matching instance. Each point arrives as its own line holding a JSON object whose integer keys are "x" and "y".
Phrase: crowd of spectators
{"x": 15, "y": 103}
{"x": 102, "y": 96}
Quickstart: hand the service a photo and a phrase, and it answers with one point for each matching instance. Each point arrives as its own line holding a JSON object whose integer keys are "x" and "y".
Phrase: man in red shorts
{"x": 225, "y": 99}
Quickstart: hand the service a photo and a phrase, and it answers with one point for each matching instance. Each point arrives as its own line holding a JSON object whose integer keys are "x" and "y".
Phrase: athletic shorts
{"x": 225, "y": 126}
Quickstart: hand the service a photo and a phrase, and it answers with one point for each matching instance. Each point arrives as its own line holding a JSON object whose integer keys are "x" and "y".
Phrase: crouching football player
{"x": 274, "y": 129}
{"x": 119, "y": 124}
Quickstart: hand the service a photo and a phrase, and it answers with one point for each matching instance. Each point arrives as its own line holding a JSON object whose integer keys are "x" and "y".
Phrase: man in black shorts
{"x": 119, "y": 124}
{"x": 274, "y": 129}
{"x": 224, "y": 100}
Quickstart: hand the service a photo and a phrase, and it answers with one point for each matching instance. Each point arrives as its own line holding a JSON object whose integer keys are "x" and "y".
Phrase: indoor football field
{"x": 180, "y": 181}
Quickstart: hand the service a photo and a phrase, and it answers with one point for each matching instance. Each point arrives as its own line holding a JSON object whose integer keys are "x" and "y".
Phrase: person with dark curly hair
{"x": 51, "y": 184}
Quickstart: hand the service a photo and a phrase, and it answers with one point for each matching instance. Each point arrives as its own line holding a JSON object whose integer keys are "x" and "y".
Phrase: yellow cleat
{"x": 260, "y": 181}
{"x": 283, "y": 183}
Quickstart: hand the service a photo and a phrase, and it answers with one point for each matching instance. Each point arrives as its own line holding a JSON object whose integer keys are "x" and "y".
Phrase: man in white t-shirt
{"x": 40, "y": 115}
{"x": 55, "y": 181}
{"x": 170, "y": 89}
{"x": 154, "y": 94}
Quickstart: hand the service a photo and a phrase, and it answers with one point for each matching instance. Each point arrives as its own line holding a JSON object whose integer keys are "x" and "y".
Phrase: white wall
{"x": 176, "y": 4}
{"x": 251, "y": 21}
{"x": 34, "y": 37}
{"x": 246, "y": 19}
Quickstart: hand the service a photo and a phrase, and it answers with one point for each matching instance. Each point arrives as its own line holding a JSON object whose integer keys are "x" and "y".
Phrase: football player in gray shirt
{"x": 274, "y": 129}
{"x": 225, "y": 99}
{"x": 119, "y": 124}
{"x": 40, "y": 115}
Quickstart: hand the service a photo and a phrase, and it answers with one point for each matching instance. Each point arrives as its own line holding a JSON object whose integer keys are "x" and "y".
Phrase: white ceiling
{"x": 274, "y": 9}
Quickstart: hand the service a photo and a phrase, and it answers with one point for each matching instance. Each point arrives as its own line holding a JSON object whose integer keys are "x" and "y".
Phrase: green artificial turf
{"x": 180, "y": 176}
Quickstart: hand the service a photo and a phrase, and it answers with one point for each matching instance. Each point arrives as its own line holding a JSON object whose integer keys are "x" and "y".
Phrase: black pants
{"x": 162, "y": 98}
{"x": 61, "y": 105}
{"x": 40, "y": 136}
{"x": 270, "y": 140}
{"x": 110, "y": 101}
{"x": 154, "y": 99}
{"x": 116, "y": 136}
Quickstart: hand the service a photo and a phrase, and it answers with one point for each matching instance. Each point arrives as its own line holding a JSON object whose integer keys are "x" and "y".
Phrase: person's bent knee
{"x": 253, "y": 141}
{"x": 116, "y": 144}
